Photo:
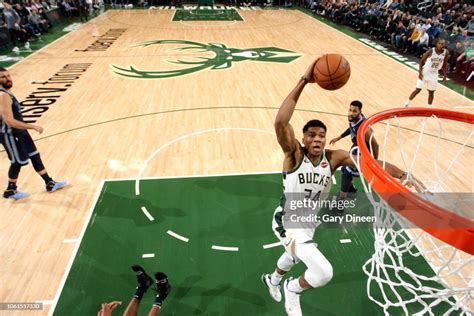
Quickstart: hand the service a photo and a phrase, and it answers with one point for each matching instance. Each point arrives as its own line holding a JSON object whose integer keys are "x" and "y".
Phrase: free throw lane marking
{"x": 147, "y": 214}
{"x": 177, "y": 236}
{"x": 225, "y": 248}
{"x": 276, "y": 244}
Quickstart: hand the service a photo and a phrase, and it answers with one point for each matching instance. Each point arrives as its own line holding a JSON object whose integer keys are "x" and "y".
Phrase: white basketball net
{"x": 394, "y": 281}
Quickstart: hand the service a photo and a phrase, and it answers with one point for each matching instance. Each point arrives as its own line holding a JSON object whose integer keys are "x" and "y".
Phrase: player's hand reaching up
{"x": 308, "y": 75}
{"x": 412, "y": 182}
{"x": 335, "y": 140}
{"x": 107, "y": 308}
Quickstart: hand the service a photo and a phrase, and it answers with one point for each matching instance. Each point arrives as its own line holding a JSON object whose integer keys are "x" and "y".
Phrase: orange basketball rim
{"x": 391, "y": 190}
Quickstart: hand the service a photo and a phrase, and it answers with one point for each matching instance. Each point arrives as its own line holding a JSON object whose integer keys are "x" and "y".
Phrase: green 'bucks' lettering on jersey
{"x": 315, "y": 178}
{"x": 223, "y": 58}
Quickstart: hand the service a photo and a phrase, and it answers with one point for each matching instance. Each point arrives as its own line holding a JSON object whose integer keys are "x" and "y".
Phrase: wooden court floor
{"x": 101, "y": 125}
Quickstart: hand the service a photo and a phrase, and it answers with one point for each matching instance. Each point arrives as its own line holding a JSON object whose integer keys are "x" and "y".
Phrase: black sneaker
{"x": 54, "y": 186}
{"x": 14, "y": 194}
{"x": 144, "y": 281}
{"x": 163, "y": 288}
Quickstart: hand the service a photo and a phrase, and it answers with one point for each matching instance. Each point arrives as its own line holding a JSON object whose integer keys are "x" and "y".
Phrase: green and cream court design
{"x": 212, "y": 236}
{"x": 201, "y": 56}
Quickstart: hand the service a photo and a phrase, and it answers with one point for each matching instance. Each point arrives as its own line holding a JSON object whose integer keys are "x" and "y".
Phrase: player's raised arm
{"x": 284, "y": 130}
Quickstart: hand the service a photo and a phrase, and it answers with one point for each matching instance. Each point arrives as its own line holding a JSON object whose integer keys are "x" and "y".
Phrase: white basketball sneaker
{"x": 274, "y": 290}
{"x": 292, "y": 300}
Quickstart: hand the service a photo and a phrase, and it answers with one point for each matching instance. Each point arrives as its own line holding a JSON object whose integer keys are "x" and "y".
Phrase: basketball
{"x": 332, "y": 71}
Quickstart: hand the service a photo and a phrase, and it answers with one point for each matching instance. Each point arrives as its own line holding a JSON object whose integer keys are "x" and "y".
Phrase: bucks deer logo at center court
{"x": 222, "y": 59}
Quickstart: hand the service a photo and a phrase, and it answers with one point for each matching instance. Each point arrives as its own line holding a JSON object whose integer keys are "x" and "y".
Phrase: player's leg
{"x": 430, "y": 98}
{"x": 17, "y": 160}
{"x": 273, "y": 280}
{"x": 144, "y": 281}
{"x": 347, "y": 187}
{"x": 431, "y": 90}
{"x": 318, "y": 274}
{"x": 154, "y": 311}
{"x": 286, "y": 260}
{"x": 419, "y": 86}
{"x": 11, "y": 191}
{"x": 163, "y": 288}
{"x": 35, "y": 157}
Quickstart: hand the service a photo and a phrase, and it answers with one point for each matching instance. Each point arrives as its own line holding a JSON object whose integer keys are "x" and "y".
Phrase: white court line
{"x": 207, "y": 175}
{"x": 156, "y": 152}
{"x": 345, "y": 241}
{"x": 334, "y": 180}
{"x": 177, "y": 236}
{"x": 206, "y": 25}
{"x": 76, "y": 248}
{"x": 225, "y": 248}
{"x": 70, "y": 241}
{"x": 276, "y": 244}
{"x": 148, "y": 255}
{"x": 147, "y": 214}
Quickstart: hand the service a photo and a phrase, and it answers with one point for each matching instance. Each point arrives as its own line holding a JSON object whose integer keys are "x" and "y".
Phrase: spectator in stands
{"x": 402, "y": 6}
{"x": 465, "y": 61}
{"x": 387, "y": 30}
{"x": 446, "y": 19}
{"x": 82, "y": 8}
{"x": 37, "y": 22}
{"x": 397, "y": 35}
{"x": 415, "y": 34}
{"x": 434, "y": 31}
{"x": 68, "y": 9}
{"x": 395, "y": 4}
{"x": 24, "y": 14}
{"x": 455, "y": 50}
{"x": 462, "y": 22}
{"x": 470, "y": 26}
{"x": 422, "y": 43}
{"x": 15, "y": 31}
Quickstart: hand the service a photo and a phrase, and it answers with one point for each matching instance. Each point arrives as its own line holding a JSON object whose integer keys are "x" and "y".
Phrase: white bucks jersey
{"x": 309, "y": 179}
{"x": 434, "y": 63}
{"x": 306, "y": 182}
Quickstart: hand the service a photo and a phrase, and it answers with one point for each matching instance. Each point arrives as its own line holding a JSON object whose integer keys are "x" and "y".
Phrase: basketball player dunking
{"x": 430, "y": 64}
{"x": 302, "y": 162}
{"x": 17, "y": 141}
